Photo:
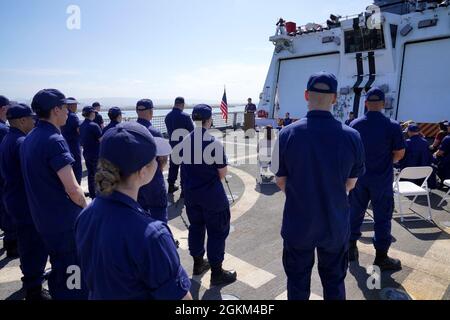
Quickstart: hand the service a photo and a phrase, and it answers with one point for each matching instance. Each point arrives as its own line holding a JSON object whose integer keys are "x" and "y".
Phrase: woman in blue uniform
{"x": 125, "y": 254}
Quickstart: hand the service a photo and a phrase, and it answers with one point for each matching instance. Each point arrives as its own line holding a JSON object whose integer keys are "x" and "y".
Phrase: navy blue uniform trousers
{"x": 77, "y": 167}
{"x": 62, "y": 251}
{"x": 7, "y": 225}
{"x": 217, "y": 224}
{"x": 298, "y": 265}
{"x": 382, "y": 199}
{"x": 91, "y": 165}
{"x": 33, "y": 255}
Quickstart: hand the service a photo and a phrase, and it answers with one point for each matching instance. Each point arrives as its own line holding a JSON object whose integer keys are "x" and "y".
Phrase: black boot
{"x": 37, "y": 294}
{"x": 172, "y": 188}
{"x": 12, "y": 252}
{"x": 200, "y": 266}
{"x": 221, "y": 277}
{"x": 385, "y": 263}
{"x": 353, "y": 253}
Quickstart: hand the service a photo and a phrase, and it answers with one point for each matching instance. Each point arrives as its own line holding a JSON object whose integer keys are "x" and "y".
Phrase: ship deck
{"x": 254, "y": 247}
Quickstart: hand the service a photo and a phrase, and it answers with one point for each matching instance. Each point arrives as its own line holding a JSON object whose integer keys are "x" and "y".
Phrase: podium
{"x": 249, "y": 124}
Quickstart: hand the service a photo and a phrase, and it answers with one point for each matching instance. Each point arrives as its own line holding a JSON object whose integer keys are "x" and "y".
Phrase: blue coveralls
{"x": 6, "y": 221}
{"x": 287, "y": 121}
{"x": 317, "y": 155}
{"x": 33, "y": 254}
{"x": 207, "y": 205}
{"x": 381, "y": 136}
{"x": 177, "y": 119}
{"x": 71, "y": 133}
{"x": 44, "y": 152}
{"x": 90, "y": 134}
{"x": 444, "y": 162}
{"x": 153, "y": 196}
{"x": 127, "y": 255}
{"x": 111, "y": 125}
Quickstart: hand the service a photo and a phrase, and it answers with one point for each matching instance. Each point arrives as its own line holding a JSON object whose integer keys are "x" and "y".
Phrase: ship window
{"x": 394, "y": 29}
{"x": 359, "y": 40}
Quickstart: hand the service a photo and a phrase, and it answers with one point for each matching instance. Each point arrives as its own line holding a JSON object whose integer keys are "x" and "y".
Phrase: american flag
{"x": 224, "y": 106}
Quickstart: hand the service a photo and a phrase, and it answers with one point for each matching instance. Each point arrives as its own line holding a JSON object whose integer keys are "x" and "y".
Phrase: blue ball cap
{"x": 375, "y": 95}
{"x": 144, "y": 104}
{"x": 114, "y": 112}
{"x": 129, "y": 146}
{"x": 201, "y": 112}
{"x": 71, "y": 100}
{"x": 95, "y": 105}
{"x": 47, "y": 99}
{"x": 413, "y": 127}
{"x": 19, "y": 110}
{"x": 322, "y": 82}
{"x": 4, "y": 101}
{"x": 87, "y": 110}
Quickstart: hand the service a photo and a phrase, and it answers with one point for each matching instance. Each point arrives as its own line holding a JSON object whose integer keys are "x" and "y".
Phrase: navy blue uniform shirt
{"x": 417, "y": 153}
{"x": 126, "y": 255}
{"x": 177, "y": 119}
{"x": 153, "y": 194}
{"x": 90, "y": 133}
{"x": 98, "y": 119}
{"x": 445, "y": 147}
{"x": 381, "y": 136}
{"x": 3, "y": 130}
{"x": 44, "y": 152}
{"x": 317, "y": 155}
{"x": 111, "y": 125}
{"x": 14, "y": 196}
{"x": 202, "y": 184}
{"x": 70, "y": 130}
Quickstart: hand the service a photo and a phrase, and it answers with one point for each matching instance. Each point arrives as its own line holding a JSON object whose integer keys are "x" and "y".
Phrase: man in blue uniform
{"x": 33, "y": 255}
{"x": 54, "y": 195}
{"x": 287, "y": 120}
{"x": 6, "y": 222}
{"x": 250, "y": 107}
{"x": 443, "y": 158}
{"x": 153, "y": 196}
{"x": 125, "y": 254}
{"x": 207, "y": 205}
{"x": 384, "y": 146}
{"x": 175, "y": 120}
{"x": 417, "y": 152}
{"x": 90, "y": 135}
{"x": 98, "y": 117}
{"x": 351, "y": 117}
{"x": 71, "y": 132}
{"x": 316, "y": 180}
{"x": 115, "y": 117}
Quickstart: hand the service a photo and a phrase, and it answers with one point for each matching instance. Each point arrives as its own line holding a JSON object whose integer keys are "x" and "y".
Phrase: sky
{"x": 156, "y": 49}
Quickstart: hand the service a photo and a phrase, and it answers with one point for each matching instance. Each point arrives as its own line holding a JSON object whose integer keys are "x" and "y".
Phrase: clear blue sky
{"x": 147, "y": 48}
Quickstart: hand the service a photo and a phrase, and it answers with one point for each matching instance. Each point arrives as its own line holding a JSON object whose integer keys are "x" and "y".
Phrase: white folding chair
{"x": 265, "y": 176}
{"x": 447, "y": 183}
{"x": 407, "y": 188}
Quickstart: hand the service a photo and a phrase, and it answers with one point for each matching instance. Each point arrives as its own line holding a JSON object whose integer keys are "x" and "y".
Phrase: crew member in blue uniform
{"x": 417, "y": 152}
{"x": 90, "y": 134}
{"x": 71, "y": 132}
{"x": 351, "y": 117}
{"x": 177, "y": 120}
{"x": 115, "y": 117}
{"x": 287, "y": 120}
{"x": 33, "y": 255}
{"x": 443, "y": 158}
{"x": 153, "y": 196}
{"x": 316, "y": 180}
{"x": 98, "y": 117}
{"x": 125, "y": 254}
{"x": 54, "y": 196}
{"x": 207, "y": 205}
{"x": 384, "y": 146}
{"x": 6, "y": 222}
